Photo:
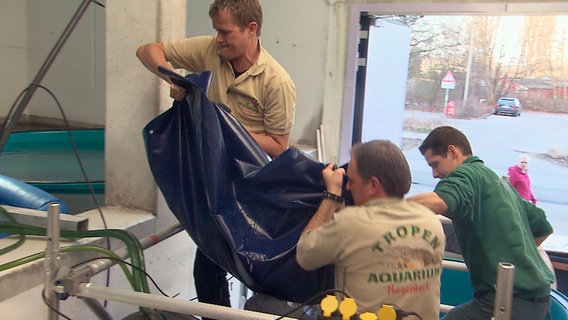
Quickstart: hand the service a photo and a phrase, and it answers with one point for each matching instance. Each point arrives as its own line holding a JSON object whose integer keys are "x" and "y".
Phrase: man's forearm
{"x": 430, "y": 200}
{"x": 152, "y": 55}
{"x": 274, "y": 145}
{"x": 324, "y": 213}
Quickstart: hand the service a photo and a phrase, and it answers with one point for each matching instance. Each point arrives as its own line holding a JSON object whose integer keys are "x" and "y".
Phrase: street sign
{"x": 448, "y": 81}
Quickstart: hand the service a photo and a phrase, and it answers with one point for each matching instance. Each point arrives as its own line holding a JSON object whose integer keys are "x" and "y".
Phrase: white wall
{"x": 298, "y": 42}
{"x": 76, "y": 76}
{"x": 13, "y": 52}
{"x": 30, "y": 30}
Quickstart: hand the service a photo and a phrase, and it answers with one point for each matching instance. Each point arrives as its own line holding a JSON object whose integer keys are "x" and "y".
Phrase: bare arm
{"x": 333, "y": 183}
{"x": 273, "y": 144}
{"x": 153, "y": 55}
{"x": 430, "y": 200}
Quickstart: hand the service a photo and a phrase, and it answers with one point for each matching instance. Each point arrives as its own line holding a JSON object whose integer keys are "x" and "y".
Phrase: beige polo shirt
{"x": 387, "y": 251}
{"x": 263, "y": 99}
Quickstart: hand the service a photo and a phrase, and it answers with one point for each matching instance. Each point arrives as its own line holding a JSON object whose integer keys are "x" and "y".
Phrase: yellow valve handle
{"x": 368, "y": 316}
{"x": 386, "y": 312}
{"x": 348, "y": 308}
{"x": 328, "y": 305}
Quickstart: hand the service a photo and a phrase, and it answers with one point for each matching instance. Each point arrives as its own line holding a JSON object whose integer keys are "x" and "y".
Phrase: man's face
{"x": 232, "y": 41}
{"x": 441, "y": 166}
{"x": 356, "y": 185}
{"x": 524, "y": 164}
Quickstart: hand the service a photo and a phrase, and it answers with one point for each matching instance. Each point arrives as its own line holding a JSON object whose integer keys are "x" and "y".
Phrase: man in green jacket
{"x": 493, "y": 224}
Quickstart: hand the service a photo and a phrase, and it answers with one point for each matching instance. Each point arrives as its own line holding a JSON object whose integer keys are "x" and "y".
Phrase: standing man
{"x": 492, "y": 223}
{"x": 259, "y": 92}
{"x": 385, "y": 249}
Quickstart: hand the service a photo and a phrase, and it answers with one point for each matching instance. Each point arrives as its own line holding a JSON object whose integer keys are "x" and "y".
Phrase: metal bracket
{"x": 38, "y": 218}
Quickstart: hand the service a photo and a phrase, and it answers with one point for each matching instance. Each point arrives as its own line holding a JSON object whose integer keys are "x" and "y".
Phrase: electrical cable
{"x": 77, "y": 156}
{"x": 75, "y": 151}
{"x": 83, "y": 172}
{"x": 82, "y": 248}
{"x": 310, "y": 301}
{"x": 117, "y": 259}
{"x": 73, "y": 144}
{"x": 11, "y": 110}
{"x": 72, "y": 140}
{"x": 44, "y": 298}
{"x": 133, "y": 246}
{"x": 22, "y": 236}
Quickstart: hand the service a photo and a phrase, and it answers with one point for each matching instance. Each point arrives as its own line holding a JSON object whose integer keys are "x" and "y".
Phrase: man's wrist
{"x": 333, "y": 196}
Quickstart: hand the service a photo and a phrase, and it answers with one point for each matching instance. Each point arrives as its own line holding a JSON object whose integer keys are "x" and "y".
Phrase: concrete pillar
{"x": 134, "y": 95}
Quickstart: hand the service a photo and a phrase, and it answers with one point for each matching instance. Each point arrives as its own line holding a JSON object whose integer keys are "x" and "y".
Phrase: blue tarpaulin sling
{"x": 244, "y": 211}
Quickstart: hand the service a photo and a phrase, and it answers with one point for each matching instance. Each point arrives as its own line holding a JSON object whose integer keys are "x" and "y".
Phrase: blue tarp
{"x": 243, "y": 210}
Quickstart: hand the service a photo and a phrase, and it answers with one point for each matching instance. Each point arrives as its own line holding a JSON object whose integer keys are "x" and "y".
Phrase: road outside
{"x": 499, "y": 140}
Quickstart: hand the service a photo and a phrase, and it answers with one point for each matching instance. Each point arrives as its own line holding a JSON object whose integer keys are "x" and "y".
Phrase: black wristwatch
{"x": 334, "y": 197}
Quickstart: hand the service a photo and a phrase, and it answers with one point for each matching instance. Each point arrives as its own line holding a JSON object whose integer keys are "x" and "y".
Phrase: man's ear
{"x": 453, "y": 151}
{"x": 376, "y": 186}
{"x": 252, "y": 28}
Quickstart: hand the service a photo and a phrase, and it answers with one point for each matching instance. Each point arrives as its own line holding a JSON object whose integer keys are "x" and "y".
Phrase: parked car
{"x": 508, "y": 106}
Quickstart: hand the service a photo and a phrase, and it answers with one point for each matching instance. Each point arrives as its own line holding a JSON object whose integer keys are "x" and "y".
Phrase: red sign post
{"x": 448, "y": 83}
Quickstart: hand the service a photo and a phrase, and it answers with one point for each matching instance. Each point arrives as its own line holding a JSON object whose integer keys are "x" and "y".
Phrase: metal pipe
{"x": 101, "y": 265}
{"x": 504, "y": 291}
{"x": 322, "y": 142}
{"x": 51, "y": 261}
{"x": 445, "y": 308}
{"x": 454, "y": 265}
{"x": 171, "y": 304}
{"x": 13, "y": 119}
{"x": 318, "y": 145}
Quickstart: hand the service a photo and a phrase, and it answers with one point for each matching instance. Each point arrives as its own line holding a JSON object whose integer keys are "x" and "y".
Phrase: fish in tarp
{"x": 245, "y": 211}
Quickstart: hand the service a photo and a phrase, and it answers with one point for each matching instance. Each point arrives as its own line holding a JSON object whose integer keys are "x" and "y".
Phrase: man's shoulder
{"x": 191, "y": 43}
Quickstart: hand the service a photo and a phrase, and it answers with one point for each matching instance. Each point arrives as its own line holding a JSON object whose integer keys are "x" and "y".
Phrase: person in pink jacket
{"x": 519, "y": 178}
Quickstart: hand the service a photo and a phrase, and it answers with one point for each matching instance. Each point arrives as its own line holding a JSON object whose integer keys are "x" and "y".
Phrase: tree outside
{"x": 525, "y": 57}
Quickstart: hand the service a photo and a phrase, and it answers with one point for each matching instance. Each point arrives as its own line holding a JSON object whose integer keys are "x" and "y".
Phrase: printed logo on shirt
{"x": 407, "y": 265}
{"x": 406, "y": 232}
{"x": 408, "y": 270}
{"x": 250, "y": 106}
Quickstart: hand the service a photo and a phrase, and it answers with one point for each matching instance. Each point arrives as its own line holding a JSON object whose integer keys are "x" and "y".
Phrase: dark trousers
{"x": 210, "y": 281}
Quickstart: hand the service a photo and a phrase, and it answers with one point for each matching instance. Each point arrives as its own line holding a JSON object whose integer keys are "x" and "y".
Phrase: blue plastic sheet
{"x": 243, "y": 210}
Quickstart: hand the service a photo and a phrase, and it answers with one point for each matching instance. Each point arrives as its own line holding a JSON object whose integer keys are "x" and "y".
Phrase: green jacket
{"x": 494, "y": 224}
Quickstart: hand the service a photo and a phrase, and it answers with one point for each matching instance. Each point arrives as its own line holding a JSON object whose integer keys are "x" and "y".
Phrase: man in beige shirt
{"x": 250, "y": 82}
{"x": 385, "y": 250}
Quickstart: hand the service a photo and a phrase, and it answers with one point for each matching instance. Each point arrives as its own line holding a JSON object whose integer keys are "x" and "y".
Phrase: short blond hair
{"x": 243, "y": 12}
